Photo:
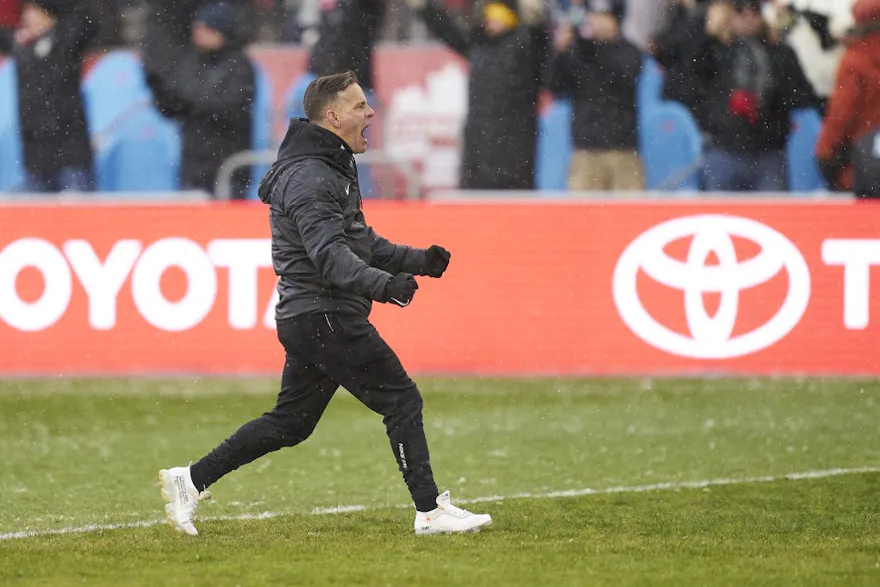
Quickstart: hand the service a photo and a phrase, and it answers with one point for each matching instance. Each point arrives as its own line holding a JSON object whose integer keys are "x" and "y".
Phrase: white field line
{"x": 668, "y": 486}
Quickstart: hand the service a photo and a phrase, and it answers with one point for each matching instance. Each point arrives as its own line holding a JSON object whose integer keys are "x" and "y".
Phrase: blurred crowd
{"x": 741, "y": 67}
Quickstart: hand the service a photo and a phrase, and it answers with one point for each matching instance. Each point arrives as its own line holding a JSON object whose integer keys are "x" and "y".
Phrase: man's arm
{"x": 319, "y": 218}
{"x": 840, "y": 117}
{"x": 396, "y": 258}
{"x": 441, "y": 24}
{"x": 562, "y": 78}
{"x": 76, "y": 30}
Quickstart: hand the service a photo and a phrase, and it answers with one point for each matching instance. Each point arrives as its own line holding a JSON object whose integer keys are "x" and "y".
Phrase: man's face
{"x": 206, "y": 38}
{"x": 748, "y": 22}
{"x": 350, "y": 115}
{"x": 35, "y": 21}
{"x": 604, "y": 26}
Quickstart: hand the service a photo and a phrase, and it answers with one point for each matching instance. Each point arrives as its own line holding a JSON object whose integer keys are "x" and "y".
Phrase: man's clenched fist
{"x": 436, "y": 261}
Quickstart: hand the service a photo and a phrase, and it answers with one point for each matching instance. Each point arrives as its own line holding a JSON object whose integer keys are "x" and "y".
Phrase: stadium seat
{"x": 113, "y": 88}
{"x": 649, "y": 90}
{"x": 670, "y": 146}
{"x": 554, "y": 147}
{"x": 262, "y": 125}
{"x": 803, "y": 171}
{"x": 136, "y": 148}
{"x": 142, "y": 155}
{"x": 12, "y": 176}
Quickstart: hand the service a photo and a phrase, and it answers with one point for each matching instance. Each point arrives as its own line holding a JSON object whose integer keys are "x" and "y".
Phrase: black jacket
{"x": 674, "y": 48}
{"x": 347, "y": 34}
{"x": 210, "y": 94}
{"x": 713, "y": 71}
{"x": 51, "y": 110}
{"x": 327, "y": 258}
{"x": 602, "y": 79}
{"x": 500, "y": 135}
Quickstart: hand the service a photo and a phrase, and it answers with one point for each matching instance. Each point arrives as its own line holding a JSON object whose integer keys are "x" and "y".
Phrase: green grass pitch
{"x": 619, "y": 482}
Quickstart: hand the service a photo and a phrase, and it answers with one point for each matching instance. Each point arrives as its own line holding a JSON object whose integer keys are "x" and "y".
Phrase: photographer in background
{"x": 600, "y": 70}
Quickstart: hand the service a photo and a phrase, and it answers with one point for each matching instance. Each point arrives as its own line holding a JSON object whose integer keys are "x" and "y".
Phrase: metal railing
{"x": 223, "y": 185}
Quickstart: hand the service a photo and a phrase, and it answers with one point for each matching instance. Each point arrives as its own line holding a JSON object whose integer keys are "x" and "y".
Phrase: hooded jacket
{"x": 326, "y": 256}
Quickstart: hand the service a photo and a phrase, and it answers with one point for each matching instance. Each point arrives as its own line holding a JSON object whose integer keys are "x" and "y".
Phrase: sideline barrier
{"x": 570, "y": 288}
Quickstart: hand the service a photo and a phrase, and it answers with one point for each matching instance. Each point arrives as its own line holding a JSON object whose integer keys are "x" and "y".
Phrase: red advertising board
{"x": 630, "y": 288}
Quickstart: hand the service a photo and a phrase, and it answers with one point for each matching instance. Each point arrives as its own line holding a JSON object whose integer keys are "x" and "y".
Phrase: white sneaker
{"x": 182, "y": 497}
{"x": 448, "y": 519}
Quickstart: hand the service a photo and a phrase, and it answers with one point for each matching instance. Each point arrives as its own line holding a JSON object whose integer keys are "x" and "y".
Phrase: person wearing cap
{"x": 507, "y": 52}
{"x": 746, "y": 86}
{"x": 49, "y": 46}
{"x": 847, "y": 146}
{"x": 600, "y": 70}
{"x": 208, "y": 87}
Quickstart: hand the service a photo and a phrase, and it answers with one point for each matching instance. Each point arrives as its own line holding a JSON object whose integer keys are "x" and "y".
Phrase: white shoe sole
{"x": 435, "y": 531}
{"x": 164, "y": 479}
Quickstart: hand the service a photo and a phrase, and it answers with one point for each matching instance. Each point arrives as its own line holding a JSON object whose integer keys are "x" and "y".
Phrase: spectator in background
{"x": 852, "y": 121}
{"x": 208, "y": 86}
{"x": 600, "y": 70}
{"x": 10, "y": 12}
{"x": 746, "y": 87}
{"x": 507, "y": 52}
{"x": 49, "y": 47}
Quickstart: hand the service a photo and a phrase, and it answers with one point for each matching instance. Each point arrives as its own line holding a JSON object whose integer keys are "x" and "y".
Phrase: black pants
{"x": 325, "y": 351}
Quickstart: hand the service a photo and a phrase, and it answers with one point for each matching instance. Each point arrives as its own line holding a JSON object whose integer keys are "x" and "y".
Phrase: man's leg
{"x": 724, "y": 171}
{"x": 627, "y": 173}
{"x": 771, "y": 172}
{"x": 76, "y": 179}
{"x": 362, "y": 361}
{"x": 305, "y": 393}
{"x": 39, "y": 183}
{"x": 588, "y": 172}
{"x": 356, "y": 355}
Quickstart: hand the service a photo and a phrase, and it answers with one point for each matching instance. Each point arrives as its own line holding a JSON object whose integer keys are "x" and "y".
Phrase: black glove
{"x": 436, "y": 261}
{"x": 400, "y": 289}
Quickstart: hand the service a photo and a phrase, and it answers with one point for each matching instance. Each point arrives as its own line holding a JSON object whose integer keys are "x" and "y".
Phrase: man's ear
{"x": 333, "y": 118}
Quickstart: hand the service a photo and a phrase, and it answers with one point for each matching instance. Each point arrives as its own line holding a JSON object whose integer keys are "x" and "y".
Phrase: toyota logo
{"x": 711, "y": 337}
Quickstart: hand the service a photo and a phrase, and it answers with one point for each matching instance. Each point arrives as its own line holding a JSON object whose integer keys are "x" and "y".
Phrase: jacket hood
{"x": 305, "y": 140}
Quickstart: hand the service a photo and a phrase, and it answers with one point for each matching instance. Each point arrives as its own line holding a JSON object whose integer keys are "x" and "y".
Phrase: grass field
{"x": 75, "y": 453}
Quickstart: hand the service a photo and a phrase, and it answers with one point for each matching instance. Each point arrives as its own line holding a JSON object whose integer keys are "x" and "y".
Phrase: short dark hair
{"x": 323, "y": 90}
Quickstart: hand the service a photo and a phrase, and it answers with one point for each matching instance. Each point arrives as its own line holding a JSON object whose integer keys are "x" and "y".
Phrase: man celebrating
{"x": 331, "y": 265}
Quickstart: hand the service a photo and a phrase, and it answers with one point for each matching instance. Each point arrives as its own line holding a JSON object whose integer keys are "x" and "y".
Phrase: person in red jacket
{"x": 854, "y": 106}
